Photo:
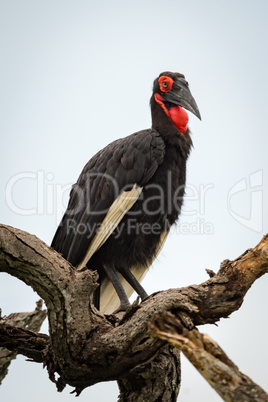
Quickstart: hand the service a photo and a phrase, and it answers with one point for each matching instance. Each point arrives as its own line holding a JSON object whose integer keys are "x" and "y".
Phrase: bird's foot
{"x": 122, "y": 308}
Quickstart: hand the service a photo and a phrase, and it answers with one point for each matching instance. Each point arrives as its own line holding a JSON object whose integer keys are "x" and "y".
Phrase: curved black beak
{"x": 180, "y": 95}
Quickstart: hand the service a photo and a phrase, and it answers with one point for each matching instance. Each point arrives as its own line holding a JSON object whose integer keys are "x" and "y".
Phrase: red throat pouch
{"x": 180, "y": 117}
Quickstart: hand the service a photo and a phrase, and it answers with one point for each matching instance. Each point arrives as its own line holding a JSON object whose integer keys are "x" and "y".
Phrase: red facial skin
{"x": 178, "y": 115}
{"x": 180, "y": 118}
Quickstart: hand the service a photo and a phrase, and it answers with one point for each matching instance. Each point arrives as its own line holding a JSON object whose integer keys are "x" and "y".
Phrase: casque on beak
{"x": 180, "y": 95}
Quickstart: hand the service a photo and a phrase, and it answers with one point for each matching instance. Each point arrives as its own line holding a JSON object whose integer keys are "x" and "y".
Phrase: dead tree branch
{"x": 86, "y": 347}
{"x": 16, "y": 322}
{"x": 210, "y": 360}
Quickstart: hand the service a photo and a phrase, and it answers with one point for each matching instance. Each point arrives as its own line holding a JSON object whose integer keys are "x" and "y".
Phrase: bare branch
{"x": 87, "y": 347}
{"x": 33, "y": 322}
{"x": 23, "y": 341}
{"x": 210, "y": 360}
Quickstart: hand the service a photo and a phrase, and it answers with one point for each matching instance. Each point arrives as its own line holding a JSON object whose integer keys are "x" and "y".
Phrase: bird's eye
{"x": 165, "y": 83}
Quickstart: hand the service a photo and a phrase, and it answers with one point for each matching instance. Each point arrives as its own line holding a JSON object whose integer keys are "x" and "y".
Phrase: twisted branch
{"x": 86, "y": 347}
{"x": 210, "y": 360}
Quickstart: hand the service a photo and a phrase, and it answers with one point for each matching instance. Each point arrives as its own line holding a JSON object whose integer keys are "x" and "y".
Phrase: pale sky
{"x": 76, "y": 75}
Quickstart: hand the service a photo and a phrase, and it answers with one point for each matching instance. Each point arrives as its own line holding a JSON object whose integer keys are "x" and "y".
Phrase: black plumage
{"x": 152, "y": 160}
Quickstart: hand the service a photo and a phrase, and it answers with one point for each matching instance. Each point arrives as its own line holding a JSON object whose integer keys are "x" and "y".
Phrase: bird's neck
{"x": 168, "y": 129}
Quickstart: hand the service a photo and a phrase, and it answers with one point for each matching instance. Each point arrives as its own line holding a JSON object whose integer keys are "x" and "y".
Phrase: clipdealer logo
{"x": 244, "y": 201}
{"x": 249, "y": 192}
{"x": 49, "y": 198}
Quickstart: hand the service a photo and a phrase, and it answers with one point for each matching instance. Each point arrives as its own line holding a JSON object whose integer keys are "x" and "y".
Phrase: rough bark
{"x": 210, "y": 360}
{"x": 86, "y": 347}
{"x": 157, "y": 380}
{"x": 11, "y": 324}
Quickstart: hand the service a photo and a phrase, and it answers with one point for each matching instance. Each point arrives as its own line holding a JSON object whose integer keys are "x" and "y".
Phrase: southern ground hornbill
{"x": 128, "y": 196}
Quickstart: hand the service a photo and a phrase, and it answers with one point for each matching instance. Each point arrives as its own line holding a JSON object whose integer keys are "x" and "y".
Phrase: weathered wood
{"x": 162, "y": 375}
{"x": 15, "y": 323}
{"x": 86, "y": 347}
{"x": 210, "y": 360}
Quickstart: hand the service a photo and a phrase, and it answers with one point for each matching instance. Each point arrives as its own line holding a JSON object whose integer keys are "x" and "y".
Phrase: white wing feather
{"x": 115, "y": 214}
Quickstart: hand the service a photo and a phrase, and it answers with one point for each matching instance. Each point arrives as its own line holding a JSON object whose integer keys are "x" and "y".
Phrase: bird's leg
{"x": 112, "y": 275}
{"x": 130, "y": 278}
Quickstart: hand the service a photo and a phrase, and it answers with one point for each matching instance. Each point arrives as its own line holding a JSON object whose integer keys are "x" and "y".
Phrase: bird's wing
{"x": 115, "y": 214}
{"x": 107, "y": 180}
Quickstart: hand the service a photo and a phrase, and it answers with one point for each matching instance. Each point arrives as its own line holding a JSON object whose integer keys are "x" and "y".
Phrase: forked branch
{"x": 86, "y": 347}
